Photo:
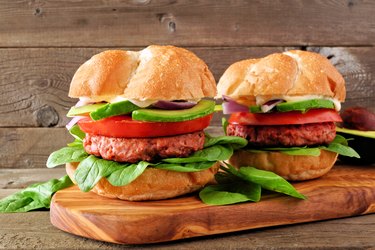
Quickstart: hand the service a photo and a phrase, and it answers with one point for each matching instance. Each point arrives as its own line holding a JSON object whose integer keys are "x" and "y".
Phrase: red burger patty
{"x": 285, "y": 135}
{"x": 143, "y": 149}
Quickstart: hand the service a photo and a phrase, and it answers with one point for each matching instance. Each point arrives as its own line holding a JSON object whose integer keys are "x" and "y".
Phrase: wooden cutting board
{"x": 344, "y": 191}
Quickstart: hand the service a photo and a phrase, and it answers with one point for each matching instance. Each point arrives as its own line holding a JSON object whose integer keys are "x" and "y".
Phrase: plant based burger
{"x": 286, "y": 106}
{"x": 138, "y": 125}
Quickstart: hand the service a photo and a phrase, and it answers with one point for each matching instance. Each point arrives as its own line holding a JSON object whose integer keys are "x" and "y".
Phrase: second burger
{"x": 285, "y": 105}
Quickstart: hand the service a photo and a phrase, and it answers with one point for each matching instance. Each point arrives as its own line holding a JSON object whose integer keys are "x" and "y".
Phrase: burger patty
{"x": 143, "y": 149}
{"x": 285, "y": 135}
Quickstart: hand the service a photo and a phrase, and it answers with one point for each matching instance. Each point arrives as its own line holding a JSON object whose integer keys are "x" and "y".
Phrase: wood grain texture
{"x": 34, "y": 230}
{"x": 187, "y": 23}
{"x": 34, "y": 82}
{"x": 30, "y": 147}
{"x": 21, "y": 178}
{"x": 343, "y": 192}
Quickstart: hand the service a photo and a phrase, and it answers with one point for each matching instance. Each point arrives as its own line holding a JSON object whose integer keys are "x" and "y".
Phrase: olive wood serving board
{"x": 345, "y": 191}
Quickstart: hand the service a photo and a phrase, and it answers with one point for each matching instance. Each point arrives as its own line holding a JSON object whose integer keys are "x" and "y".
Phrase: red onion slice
{"x": 270, "y": 105}
{"x": 233, "y": 107}
{"x": 74, "y": 121}
{"x": 170, "y": 105}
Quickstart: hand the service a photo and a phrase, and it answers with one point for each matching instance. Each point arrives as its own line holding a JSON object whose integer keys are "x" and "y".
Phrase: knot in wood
{"x": 47, "y": 116}
{"x": 169, "y": 19}
{"x": 38, "y": 11}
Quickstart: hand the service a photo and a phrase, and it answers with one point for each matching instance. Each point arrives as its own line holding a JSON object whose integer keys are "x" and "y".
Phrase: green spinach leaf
{"x": 213, "y": 153}
{"x": 127, "y": 173}
{"x": 235, "y": 141}
{"x": 66, "y": 155}
{"x": 77, "y": 133}
{"x": 230, "y": 193}
{"x": 33, "y": 197}
{"x": 91, "y": 170}
{"x": 269, "y": 180}
{"x": 186, "y": 167}
{"x": 341, "y": 149}
{"x": 291, "y": 151}
{"x": 339, "y": 145}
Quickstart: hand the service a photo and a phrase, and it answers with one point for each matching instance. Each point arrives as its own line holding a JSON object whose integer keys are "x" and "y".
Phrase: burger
{"x": 286, "y": 106}
{"x": 138, "y": 125}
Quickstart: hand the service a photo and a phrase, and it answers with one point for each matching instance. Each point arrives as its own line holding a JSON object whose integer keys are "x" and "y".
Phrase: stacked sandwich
{"x": 285, "y": 105}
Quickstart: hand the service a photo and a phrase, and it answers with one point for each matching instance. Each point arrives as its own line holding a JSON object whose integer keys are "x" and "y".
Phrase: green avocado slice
{"x": 113, "y": 109}
{"x": 368, "y": 134}
{"x": 304, "y": 106}
{"x": 203, "y": 108}
{"x": 75, "y": 111}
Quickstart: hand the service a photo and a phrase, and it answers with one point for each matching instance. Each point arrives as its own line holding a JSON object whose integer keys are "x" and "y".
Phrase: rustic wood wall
{"x": 42, "y": 43}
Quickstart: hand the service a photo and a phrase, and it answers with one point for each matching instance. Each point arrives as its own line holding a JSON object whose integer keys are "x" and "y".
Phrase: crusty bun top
{"x": 154, "y": 73}
{"x": 292, "y": 73}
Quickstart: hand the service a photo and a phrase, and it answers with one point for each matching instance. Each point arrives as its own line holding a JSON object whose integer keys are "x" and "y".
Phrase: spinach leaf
{"x": 338, "y": 145}
{"x": 66, "y": 155}
{"x": 269, "y": 180}
{"x": 186, "y": 167}
{"x": 235, "y": 141}
{"x": 224, "y": 124}
{"x": 75, "y": 143}
{"x": 291, "y": 151}
{"x": 213, "y": 153}
{"x": 341, "y": 149}
{"x": 127, "y": 173}
{"x": 77, "y": 133}
{"x": 35, "y": 196}
{"x": 244, "y": 184}
{"x": 341, "y": 140}
{"x": 91, "y": 170}
{"x": 230, "y": 193}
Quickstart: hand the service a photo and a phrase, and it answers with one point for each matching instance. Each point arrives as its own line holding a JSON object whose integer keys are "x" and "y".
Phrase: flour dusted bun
{"x": 154, "y": 73}
{"x": 290, "y": 167}
{"x": 153, "y": 184}
{"x": 292, "y": 73}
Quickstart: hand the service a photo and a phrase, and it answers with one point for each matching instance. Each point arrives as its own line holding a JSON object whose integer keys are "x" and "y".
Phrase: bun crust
{"x": 292, "y": 73}
{"x": 153, "y": 184}
{"x": 154, "y": 73}
{"x": 290, "y": 167}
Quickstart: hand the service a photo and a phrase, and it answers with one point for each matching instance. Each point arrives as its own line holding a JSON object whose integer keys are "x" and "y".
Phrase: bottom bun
{"x": 290, "y": 167}
{"x": 153, "y": 184}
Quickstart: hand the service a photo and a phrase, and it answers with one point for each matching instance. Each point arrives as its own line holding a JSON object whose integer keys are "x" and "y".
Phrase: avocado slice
{"x": 360, "y": 141}
{"x": 75, "y": 111}
{"x": 113, "y": 109}
{"x": 302, "y": 106}
{"x": 255, "y": 109}
{"x": 368, "y": 134}
{"x": 203, "y": 108}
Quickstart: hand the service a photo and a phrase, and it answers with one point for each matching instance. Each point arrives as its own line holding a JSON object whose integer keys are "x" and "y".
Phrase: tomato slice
{"x": 124, "y": 126}
{"x": 285, "y": 118}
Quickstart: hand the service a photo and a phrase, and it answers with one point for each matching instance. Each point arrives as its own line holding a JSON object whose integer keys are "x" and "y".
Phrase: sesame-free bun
{"x": 290, "y": 167}
{"x": 154, "y": 73}
{"x": 292, "y": 73}
{"x": 153, "y": 184}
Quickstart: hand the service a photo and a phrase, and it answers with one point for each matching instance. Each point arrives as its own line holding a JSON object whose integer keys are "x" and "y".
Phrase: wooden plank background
{"x": 42, "y": 43}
